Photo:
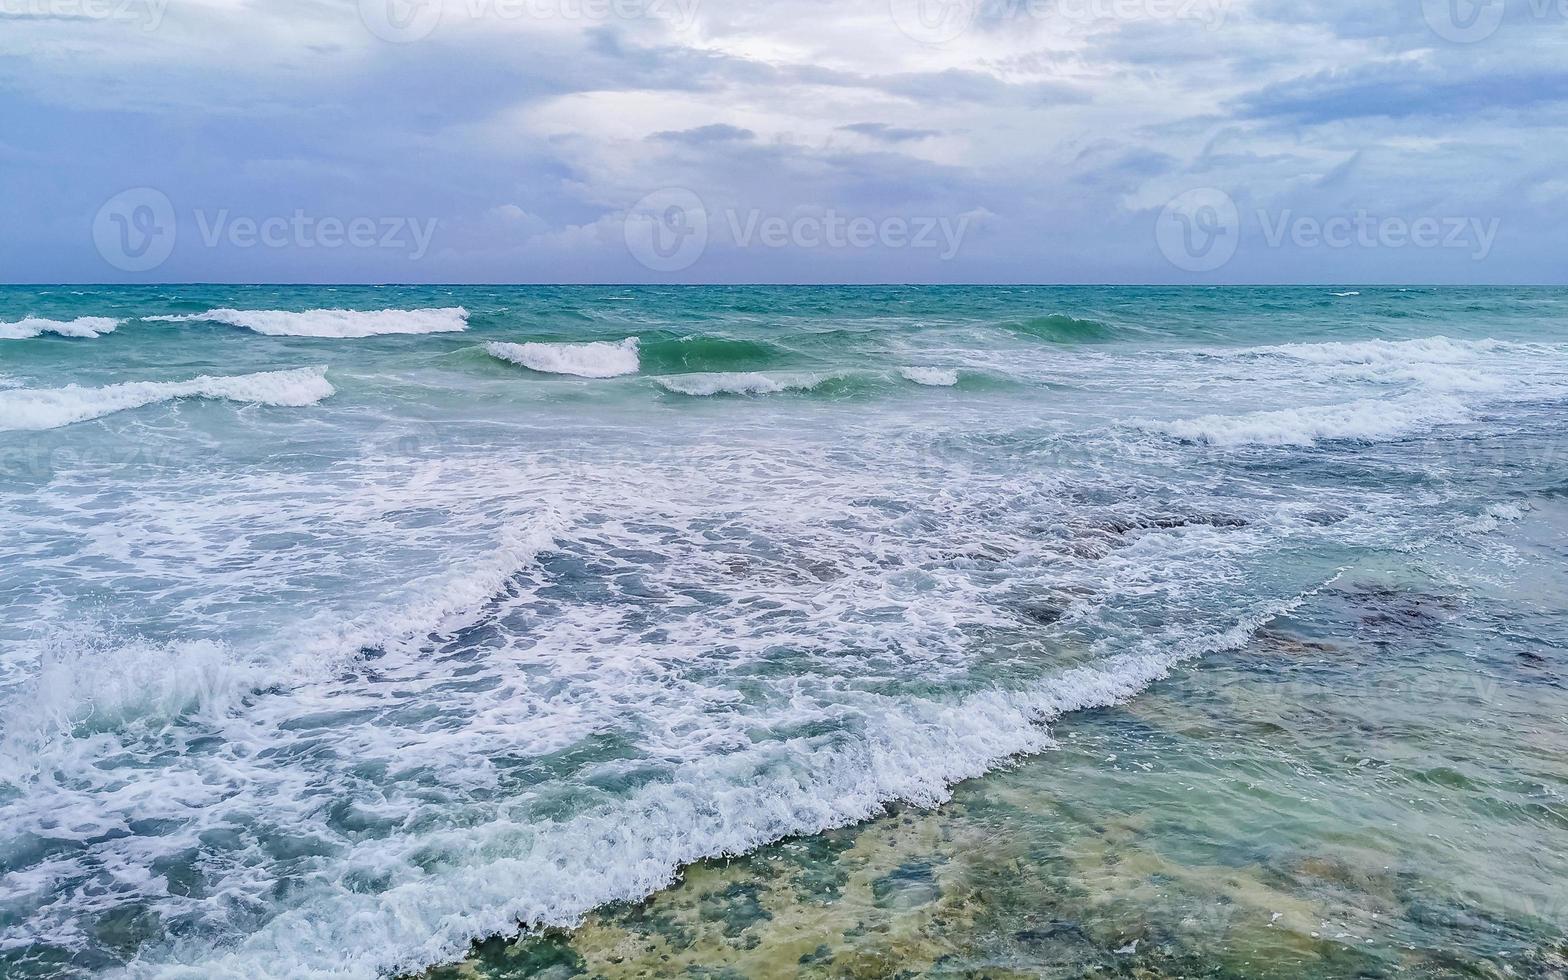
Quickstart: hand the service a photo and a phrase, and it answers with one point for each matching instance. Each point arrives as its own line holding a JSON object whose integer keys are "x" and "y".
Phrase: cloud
{"x": 715, "y": 133}
{"x": 1404, "y": 90}
{"x": 889, "y": 134}
{"x": 527, "y": 138}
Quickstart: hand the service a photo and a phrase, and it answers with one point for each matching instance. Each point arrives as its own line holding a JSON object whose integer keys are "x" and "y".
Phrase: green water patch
{"x": 753, "y": 385}
{"x": 1304, "y": 807}
{"x": 663, "y": 354}
{"x": 1059, "y": 328}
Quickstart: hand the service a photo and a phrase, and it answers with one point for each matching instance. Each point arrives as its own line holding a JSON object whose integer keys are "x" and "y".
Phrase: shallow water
{"x": 1268, "y": 813}
{"x": 371, "y": 644}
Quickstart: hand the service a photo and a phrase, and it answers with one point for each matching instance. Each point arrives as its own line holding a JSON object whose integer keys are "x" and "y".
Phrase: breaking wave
{"x": 1366, "y": 420}
{"x": 705, "y": 385}
{"x": 595, "y": 360}
{"x": 341, "y": 324}
{"x": 86, "y": 327}
{"x": 51, "y": 408}
{"x": 931, "y": 376}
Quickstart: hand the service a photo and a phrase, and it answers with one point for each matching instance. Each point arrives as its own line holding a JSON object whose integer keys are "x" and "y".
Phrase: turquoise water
{"x": 335, "y": 641}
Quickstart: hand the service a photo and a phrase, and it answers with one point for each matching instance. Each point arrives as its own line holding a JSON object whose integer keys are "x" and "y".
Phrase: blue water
{"x": 345, "y": 626}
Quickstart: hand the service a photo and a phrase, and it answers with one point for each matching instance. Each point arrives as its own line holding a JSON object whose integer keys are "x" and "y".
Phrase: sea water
{"x": 346, "y": 626}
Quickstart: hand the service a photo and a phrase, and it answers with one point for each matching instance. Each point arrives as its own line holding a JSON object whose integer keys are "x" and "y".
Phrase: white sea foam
{"x": 932, "y": 376}
{"x": 1353, "y": 292}
{"x": 1437, "y": 363}
{"x": 595, "y": 360}
{"x": 412, "y": 775}
{"x": 550, "y": 873}
{"x": 763, "y": 634}
{"x": 1365, "y": 420}
{"x": 87, "y": 680}
{"x": 50, "y": 408}
{"x": 1435, "y": 350}
{"x": 83, "y": 326}
{"x": 343, "y": 324}
{"x": 739, "y": 383}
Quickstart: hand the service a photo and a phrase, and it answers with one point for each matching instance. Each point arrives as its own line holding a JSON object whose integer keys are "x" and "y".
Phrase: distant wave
{"x": 1434, "y": 362}
{"x": 86, "y": 327}
{"x": 1366, "y": 420}
{"x": 931, "y": 376}
{"x": 1353, "y": 292}
{"x": 340, "y": 324}
{"x": 1443, "y": 350}
{"x": 1063, "y": 329}
{"x": 705, "y": 385}
{"x": 595, "y": 360}
{"x": 673, "y": 355}
{"x": 51, "y": 408}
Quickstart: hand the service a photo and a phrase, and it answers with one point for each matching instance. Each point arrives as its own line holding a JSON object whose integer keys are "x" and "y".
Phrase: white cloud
{"x": 1082, "y": 117}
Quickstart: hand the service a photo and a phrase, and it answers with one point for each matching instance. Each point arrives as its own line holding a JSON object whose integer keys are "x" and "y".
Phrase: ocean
{"x": 773, "y": 631}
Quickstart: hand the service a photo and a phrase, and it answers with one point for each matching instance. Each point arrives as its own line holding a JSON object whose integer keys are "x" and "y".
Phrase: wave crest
{"x": 85, "y": 327}
{"x": 931, "y": 376}
{"x": 733, "y": 383}
{"x": 1366, "y": 420}
{"x": 51, "y": 408}
{"x": 336, "y": 324}
{"x": 595, "y": 360}
{"x": 1439, "y": 363}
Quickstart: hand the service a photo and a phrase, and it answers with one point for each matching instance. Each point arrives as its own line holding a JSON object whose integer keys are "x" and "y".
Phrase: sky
{"x": 833, "y": 141}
